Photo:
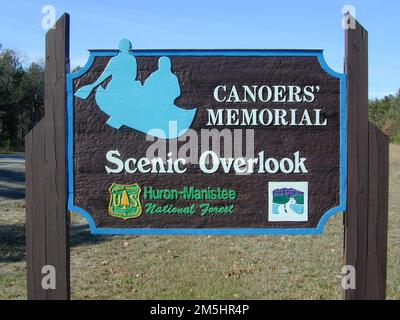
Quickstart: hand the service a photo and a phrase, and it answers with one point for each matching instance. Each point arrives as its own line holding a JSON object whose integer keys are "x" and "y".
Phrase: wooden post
{"x": 47, "y": 231}
{"x": 35, "y": 150}
{"x": 367, "y": 197}
{"x": 377, "y": 214}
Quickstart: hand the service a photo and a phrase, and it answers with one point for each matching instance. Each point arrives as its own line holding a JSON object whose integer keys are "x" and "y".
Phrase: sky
{"x": 213, "y": 24}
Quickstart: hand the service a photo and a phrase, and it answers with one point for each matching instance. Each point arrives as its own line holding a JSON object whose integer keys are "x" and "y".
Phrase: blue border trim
{"x": 217, "y": 231}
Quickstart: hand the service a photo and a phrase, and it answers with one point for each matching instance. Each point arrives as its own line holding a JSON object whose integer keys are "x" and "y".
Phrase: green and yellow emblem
{"x": 125, "y": 201}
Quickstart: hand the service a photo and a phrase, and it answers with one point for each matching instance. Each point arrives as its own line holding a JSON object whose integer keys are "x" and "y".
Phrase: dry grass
{"x": 150, "y": 267}
{"x": 393, "y": 283}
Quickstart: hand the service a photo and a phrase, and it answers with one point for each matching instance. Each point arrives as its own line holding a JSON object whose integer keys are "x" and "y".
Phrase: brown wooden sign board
{"x": 262, "y": 149}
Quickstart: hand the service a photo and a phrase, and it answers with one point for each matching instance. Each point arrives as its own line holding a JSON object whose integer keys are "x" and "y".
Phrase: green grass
{"x": 201, "y": 267}
{"x": 209, "y": 267}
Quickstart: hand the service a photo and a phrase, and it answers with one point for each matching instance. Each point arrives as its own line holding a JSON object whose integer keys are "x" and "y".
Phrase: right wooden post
{"x": 365, "y": 238}
{"x": 377, "y": 214}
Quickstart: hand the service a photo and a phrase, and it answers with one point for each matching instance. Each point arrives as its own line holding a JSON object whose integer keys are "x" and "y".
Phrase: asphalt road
{"x": 12, "y": 176}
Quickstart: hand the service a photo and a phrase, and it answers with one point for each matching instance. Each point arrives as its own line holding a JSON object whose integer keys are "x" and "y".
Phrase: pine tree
{"x": 125, "y": 199}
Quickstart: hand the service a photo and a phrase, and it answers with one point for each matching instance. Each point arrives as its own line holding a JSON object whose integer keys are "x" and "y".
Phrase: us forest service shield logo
{"x": 125, "y": 201}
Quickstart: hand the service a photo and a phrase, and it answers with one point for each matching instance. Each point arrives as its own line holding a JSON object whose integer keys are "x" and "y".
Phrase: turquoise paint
{"x": 148, "y": 107}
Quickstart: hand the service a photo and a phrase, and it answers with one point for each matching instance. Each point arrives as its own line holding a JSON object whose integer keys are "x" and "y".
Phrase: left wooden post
{"x": 47, "y": 217}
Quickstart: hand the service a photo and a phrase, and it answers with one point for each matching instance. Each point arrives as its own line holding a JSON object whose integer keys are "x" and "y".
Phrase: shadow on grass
{"x": 15, "y": 177}
{"x": 12, "y": 176}
{"x": 80, "y": 235}
{"x": 12, "y": 240}
{"x": 12, "y": 193}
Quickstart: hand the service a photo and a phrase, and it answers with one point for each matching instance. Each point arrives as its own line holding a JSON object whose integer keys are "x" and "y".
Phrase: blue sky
{"x": 205, "y": 24}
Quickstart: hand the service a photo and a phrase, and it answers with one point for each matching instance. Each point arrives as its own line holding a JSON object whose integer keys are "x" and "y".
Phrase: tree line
{"x": 21, "y": 98}
{"x": 385, "y": 114}
{"x": 22, "y": 102}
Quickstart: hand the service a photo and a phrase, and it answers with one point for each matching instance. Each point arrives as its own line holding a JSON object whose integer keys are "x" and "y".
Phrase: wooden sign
{"x": 206, "y": 141}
